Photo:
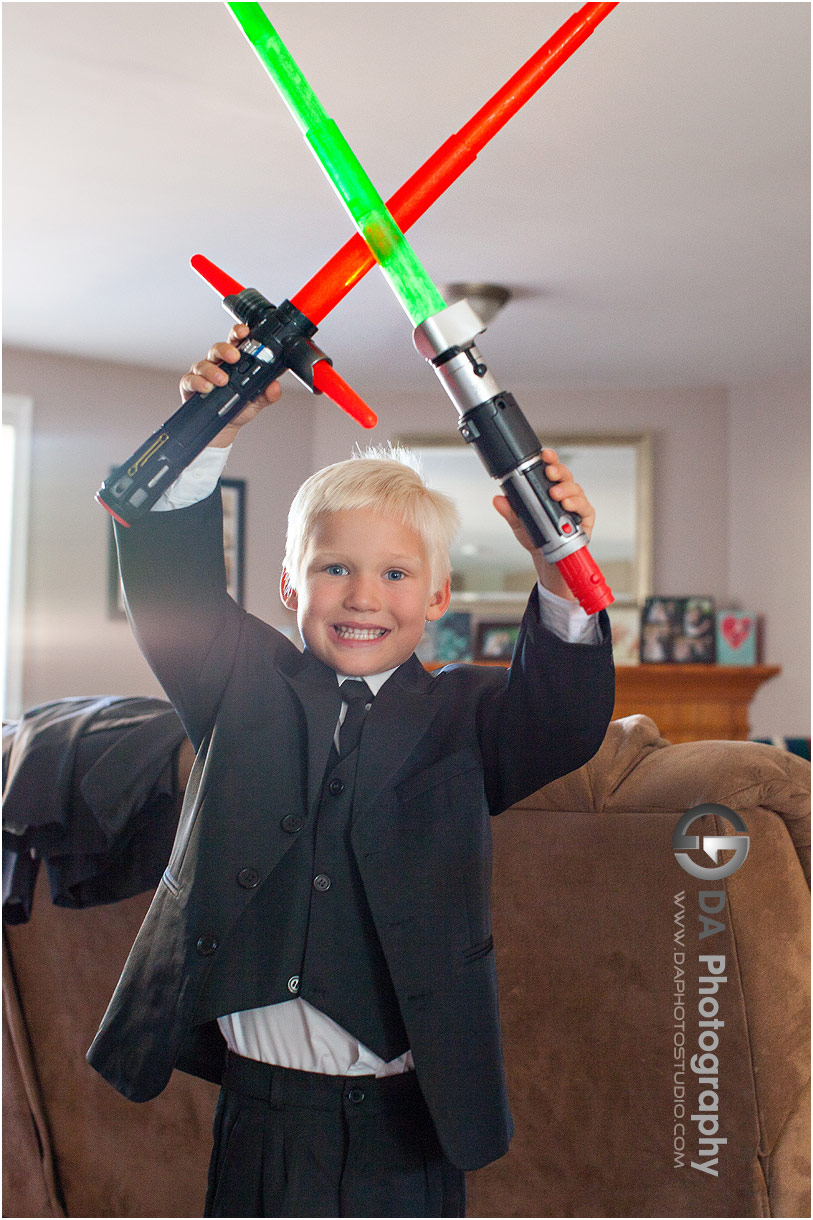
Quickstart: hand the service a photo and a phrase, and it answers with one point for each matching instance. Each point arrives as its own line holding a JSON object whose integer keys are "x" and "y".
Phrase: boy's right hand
{"x": 207, "y": 374}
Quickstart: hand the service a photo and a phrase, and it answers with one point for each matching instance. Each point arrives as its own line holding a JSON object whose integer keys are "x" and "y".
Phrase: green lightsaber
{"x": 490, "y": 418}
{"x": 407, "y": 277}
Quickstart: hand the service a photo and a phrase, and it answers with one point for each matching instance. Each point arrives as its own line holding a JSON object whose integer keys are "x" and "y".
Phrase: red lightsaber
{"x": 350, "y": 264}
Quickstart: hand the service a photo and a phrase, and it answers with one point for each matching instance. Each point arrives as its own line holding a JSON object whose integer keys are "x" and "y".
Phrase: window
{"x": 15, "y": 462}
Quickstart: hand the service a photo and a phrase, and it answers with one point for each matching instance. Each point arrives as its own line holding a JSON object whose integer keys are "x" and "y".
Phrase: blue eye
{"x": 395, "y": 574}
{"x": 336, "y": 569}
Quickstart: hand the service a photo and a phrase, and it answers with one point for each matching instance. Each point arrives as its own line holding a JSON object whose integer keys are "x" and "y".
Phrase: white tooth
{"x": 359, "y": 633}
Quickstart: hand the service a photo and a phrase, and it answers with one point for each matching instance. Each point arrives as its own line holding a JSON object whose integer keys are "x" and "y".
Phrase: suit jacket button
{"x": 248, "y": 878}
{"x": 336, "y": 786}
{"x": 292, "y": 823}
{"x": 206, "y": 945}
{"x": 321, "y": 883}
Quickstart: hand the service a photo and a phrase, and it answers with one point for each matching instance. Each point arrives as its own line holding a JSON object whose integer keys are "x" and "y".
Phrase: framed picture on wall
{"x": 490, "y": 568}
{"x": 234, "y": 519}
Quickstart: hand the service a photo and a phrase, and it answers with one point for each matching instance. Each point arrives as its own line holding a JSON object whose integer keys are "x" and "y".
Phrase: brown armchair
{"x": 586, "y": 917}
{"x": 586, "y": 910}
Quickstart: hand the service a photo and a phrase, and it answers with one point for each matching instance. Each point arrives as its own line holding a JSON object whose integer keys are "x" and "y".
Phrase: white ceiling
{"x": 651, "y": 202}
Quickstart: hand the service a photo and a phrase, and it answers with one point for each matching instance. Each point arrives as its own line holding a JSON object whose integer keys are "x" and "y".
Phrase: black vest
{"x": 308, "y": 932}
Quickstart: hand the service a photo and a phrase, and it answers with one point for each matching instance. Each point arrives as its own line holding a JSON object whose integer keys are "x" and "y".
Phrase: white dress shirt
{"x": 294, "y": 1034}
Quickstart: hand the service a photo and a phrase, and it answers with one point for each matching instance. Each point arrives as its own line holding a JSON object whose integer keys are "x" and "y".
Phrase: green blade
{"x": 405, "y": 274}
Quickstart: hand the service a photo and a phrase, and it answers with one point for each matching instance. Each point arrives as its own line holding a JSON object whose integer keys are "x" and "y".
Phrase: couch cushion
{"x": 636, "y": 768}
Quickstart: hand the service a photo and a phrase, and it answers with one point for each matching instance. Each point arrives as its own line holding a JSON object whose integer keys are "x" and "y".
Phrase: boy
{"x": 320, "y": 943}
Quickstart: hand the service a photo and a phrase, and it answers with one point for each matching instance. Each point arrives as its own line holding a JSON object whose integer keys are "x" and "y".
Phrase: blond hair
{"x": 386, "y": 479}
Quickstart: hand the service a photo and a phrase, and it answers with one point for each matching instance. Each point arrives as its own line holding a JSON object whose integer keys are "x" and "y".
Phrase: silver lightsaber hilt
{"x": 491, "y": 421}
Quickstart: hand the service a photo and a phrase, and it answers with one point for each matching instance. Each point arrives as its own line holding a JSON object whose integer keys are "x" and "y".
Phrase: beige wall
{"x": 88, "y": 416}
{"x": 769, "y": 539}
{"x": 716, "y": 526}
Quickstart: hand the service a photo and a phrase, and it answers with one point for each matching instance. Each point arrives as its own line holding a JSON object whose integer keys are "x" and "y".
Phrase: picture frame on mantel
{"x": 490, "y": 570}
{"x": 495, "y": 641}
{"x": 678, "y": 631}
{"x": 234, "y": 528}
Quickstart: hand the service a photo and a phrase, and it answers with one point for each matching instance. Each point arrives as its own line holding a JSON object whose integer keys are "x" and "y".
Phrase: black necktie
{"x": 358, "y": 697}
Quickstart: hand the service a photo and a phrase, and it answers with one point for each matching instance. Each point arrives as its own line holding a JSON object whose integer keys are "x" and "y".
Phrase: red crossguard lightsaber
{"x": 325, "y": 378}
{"x": 285, "y": 343}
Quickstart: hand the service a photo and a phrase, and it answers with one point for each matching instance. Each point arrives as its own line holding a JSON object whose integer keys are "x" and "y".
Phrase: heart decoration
{"x": 736, "y": 630}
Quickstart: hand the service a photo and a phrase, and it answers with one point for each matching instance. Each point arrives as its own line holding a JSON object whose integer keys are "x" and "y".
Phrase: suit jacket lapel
{"x": 317, "y": 689}
{"x": 401, "y": 714}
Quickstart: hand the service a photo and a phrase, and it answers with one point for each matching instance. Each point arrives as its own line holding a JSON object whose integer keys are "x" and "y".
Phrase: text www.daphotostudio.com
{"x": 697, "y": 1026}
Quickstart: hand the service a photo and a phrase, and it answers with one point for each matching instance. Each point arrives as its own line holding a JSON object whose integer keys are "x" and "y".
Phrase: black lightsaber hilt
{"x": 279, "y": 338}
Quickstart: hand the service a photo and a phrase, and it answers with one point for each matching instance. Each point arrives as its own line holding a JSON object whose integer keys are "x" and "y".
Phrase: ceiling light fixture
{"x": 485, "y": 299}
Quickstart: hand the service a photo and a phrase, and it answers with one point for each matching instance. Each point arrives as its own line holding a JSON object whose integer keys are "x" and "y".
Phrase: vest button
{"x": 206, "y": 945}
{"x": 321, "y": 883}
{"x": 249, "y": 878}
{"x": 356, "y": 1096}
{"x": 292, "y": 823}
{"x": 293, "y": 984}
{"x": 336, "y": 786}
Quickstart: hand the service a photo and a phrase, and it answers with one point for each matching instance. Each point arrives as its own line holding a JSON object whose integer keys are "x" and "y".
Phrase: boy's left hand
{"x": 571, "y": 496}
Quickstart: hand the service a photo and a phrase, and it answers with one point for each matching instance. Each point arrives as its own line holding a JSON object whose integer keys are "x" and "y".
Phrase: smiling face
{"x": 365, "y": 592}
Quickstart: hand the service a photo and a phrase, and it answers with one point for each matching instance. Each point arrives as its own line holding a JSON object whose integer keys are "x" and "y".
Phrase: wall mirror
{"x": 490, "y": 566}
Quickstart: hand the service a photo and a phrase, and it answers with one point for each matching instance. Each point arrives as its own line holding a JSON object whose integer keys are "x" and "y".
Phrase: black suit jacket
{"x": 89, "y": 787}
{"x": 440, "y": 753}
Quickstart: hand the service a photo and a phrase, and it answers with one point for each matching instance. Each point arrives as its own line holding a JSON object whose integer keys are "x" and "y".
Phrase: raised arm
{"x": 174, "y": 576}
{"x": 551, "y": 716}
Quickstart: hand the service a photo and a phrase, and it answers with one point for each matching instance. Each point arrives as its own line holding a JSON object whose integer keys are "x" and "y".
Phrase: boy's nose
{"x": 361, "y": 594}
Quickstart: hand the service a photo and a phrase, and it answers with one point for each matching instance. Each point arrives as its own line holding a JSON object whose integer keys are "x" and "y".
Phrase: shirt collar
{"x": 374, "y": 681}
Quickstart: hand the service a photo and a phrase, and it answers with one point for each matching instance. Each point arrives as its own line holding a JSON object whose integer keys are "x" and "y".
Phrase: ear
{"x": 287, "y": 592}
{"x": 439, "y": 603}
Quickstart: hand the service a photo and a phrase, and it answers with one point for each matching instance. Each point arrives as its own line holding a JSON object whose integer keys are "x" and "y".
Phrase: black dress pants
{"x": 289, "y": 1143}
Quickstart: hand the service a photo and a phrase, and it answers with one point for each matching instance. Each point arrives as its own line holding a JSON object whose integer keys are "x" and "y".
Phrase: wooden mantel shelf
{"x": 687, "y": 702}
{"x": 691, "y": 702}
